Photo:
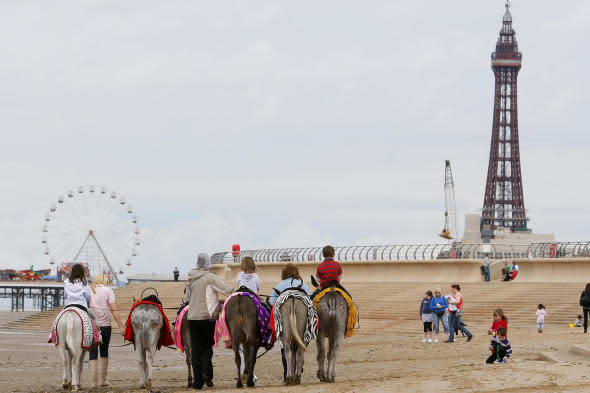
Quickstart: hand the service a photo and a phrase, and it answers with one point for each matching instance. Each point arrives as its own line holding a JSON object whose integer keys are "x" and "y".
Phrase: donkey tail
{"x": 331, "y": 299}
{"x": 70, "y": 340}
{"x": 240, "y": 316}
{"x": 293, "y": 323}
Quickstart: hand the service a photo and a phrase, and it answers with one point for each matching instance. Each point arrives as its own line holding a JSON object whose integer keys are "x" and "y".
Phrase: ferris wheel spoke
{"x": 84, "y": 200}
{"x": 123, "y": 245}
{"x": 117, "y": 222}
{"x": 125, "y": 257}
{"x": 68, "y": 204}
{"x": 70, "y": 223}
{"x": 71, "y": 246}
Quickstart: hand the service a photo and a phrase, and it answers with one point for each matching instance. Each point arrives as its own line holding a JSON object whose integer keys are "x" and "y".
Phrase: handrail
{"x": 414, "y": 252}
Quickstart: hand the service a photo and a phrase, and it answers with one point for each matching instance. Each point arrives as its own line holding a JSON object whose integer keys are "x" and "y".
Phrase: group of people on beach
{"x": 202, "y": 294}
{"x": 448, "y": 310}
{"x": 205, "y": 287}
{"x": 436, "y": 308}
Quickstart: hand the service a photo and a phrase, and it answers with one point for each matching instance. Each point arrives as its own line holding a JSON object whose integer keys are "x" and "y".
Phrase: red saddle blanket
{"x": 165, "y": 339}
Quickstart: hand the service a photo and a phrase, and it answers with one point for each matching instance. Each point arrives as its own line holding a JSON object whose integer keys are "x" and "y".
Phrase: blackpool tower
{"x": 503, "y": 205}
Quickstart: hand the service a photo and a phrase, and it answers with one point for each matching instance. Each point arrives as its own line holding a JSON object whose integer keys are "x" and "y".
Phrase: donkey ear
{"x": 314, "y": 281}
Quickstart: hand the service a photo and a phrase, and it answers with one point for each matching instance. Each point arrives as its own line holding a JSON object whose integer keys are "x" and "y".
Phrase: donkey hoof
{"x": 251, "y": 384}
{"x": 148, "y": 385}
{"x": 67, "y": 386}
{"x": 239, "y": 385}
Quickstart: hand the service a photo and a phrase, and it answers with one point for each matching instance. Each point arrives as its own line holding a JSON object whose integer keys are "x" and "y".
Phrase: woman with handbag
{"x": 438, "y": 306}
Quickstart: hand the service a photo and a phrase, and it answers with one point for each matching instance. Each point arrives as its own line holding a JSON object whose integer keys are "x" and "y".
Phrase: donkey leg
{"x": 238, "y": 361}
{"x": 80, "y": 368}
{"x": 331, "y": 344}
{"x": 287, "y": 351}
{"x": 189, "y": 366}
{"x": 76, "y": 370}
{"x": 253, "y": 352}
{"x": 299, "y": 365}
{"x": 151, "y": 350}
{"x": 66, "y": 359}
{"x": 335, "y": 352}
{"x": 294, "y": 364}
{"x": 321, "y": 357}
{"x": 141, "y": 356}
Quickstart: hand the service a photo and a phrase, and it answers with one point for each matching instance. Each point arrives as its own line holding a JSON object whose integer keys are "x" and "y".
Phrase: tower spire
{"x": 503, "y": 199}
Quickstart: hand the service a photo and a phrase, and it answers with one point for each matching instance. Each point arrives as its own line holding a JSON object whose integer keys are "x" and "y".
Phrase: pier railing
{"x": 413, "y": 252}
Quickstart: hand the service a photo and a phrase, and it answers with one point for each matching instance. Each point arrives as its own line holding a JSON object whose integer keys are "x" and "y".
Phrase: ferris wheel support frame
{"x": 91, "y": 235}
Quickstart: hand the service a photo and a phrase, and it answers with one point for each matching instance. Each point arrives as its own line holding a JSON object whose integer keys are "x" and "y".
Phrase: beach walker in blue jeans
{"x": 455, "y": 320}
{"x": 437, "y": 319}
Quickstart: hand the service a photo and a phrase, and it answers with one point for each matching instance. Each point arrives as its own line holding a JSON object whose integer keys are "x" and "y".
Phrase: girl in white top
{"x": 77, "y": 291}
{"x": 248, "y": 277}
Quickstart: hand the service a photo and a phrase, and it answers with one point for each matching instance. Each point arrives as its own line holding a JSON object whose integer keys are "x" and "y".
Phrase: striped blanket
{"x": 311, "y": 327}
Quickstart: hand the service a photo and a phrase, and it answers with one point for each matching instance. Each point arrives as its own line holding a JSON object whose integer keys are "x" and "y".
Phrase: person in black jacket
{"x": 585, "y": 303}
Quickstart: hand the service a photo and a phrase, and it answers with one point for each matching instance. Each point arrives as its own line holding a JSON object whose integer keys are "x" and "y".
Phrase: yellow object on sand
{"x": 352, "y": 309}
{"x": 571, "y": 325}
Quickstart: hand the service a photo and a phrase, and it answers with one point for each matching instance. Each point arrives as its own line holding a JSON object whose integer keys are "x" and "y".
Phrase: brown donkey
{"x": 242, "y": 322}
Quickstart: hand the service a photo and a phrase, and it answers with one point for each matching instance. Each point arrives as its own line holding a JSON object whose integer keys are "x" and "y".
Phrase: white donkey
{"x": 69, "y": 328}
{"x": 147, "y": 324}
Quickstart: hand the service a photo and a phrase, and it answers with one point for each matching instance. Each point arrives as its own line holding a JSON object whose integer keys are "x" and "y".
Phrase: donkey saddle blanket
{"x": 262, "y": 314}
{"x": 352, "y": 309}
{"x": 311, "y": 327}
{"x": 90, "y": 332}
{"x": 165, "y": 334}
{"x": 178, "y": 329}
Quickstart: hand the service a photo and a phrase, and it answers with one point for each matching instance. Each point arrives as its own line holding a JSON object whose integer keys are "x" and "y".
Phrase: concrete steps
{"x": 389, "y": 304}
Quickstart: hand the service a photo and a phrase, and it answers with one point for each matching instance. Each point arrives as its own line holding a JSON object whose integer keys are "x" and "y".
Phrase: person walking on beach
{"x": 426, "y": 316}
{"x": 438, "y": 306}
{"x": 455, "y": 304}
{"x": 486, "y": 267}
{"x": 585, "y": 303}
{"x": 205, "y": 287}
{"x": 176, "y": 273}
{"x": 102, "y": 303}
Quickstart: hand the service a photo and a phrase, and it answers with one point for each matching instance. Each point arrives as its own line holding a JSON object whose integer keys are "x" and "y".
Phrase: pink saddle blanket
{"x": 178, "y": 329}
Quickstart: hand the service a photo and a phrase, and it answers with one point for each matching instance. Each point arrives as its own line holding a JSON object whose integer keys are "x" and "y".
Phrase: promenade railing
{"x": 401, "y": 252}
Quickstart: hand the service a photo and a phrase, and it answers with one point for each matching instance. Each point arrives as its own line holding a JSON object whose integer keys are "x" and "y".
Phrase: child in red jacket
{"x": 500, "y": 320}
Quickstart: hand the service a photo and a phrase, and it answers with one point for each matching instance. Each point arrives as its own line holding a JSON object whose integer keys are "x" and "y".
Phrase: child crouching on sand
{"x": 500, "y": 347}
{"x": 500, "y": 320}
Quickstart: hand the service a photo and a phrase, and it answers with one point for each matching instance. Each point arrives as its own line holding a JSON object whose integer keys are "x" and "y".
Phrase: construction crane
{"x": 450, "y": 229}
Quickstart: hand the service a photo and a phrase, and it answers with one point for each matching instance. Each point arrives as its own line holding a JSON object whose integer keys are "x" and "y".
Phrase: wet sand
{"x": 394, "y": 362}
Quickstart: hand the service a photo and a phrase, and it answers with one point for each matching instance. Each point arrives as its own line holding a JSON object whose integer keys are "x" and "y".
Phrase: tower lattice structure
{"x": 504, "y": 201}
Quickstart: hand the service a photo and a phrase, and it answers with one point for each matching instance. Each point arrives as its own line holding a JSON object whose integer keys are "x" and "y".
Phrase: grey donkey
{"x": 294, "y": 319}
{"x": 242, "y": 322}
{"x": 147, "y": 324}
{"x": 186, "y": 343}
{"x": 333, "y": 315}
{"x": 69, "y": 329}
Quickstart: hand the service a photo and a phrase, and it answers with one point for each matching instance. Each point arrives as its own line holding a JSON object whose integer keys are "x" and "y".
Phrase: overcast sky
{"x": 283, "y": 124}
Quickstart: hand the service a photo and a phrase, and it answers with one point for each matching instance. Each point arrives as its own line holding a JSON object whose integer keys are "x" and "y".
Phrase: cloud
{"x": 281, "y": 124}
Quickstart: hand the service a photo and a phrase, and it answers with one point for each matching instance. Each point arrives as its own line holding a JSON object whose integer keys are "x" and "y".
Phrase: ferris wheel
{"x": 94, "y": 226}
